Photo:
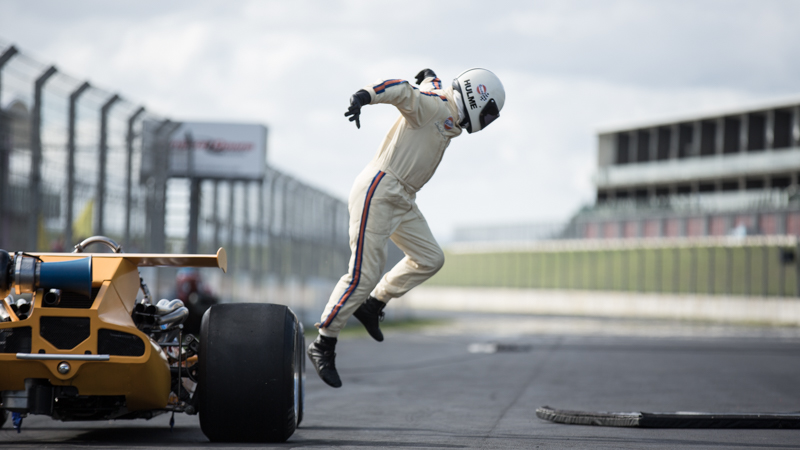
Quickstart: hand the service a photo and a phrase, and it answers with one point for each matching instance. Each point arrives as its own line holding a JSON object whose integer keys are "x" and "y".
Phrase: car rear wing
{"x": 219, "y": 260}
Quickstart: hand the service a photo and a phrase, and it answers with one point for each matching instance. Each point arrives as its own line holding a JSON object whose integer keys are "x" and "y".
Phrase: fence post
{"x": 245, "y": 234}
{"x": 129, "y": 136}
{"x": 35, "y": 184}
{"x": 764, "y": 271}
{"x": 5, "y": 150}
{"x": 797, "y": 267}
{"x": 194, "y": 197}
{"x": 272, "y": 250}
{"x": 260, "y": 231}
{"x": 693, "y": 270}
{"x": 4, "y": 58}
{"x": 215, "y": 212}
{"x": 73, "y": 103}
{"x": 232, "y": 254}
{"x": 781, "y": 274}
{"x": 286, "y": 259}
{"x": 101, "y": 177}
{"x": 298, "y": 228}
{"x": 158, "y": 196}
{"x": 289, "y": 231}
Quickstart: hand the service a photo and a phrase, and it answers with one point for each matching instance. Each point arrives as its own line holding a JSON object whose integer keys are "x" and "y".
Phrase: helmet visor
{"x": 489, "y": 113}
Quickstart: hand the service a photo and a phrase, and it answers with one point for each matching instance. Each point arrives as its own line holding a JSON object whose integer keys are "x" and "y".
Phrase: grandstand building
{"x": 734, "y": 172}
{"x": 730, "y": 173}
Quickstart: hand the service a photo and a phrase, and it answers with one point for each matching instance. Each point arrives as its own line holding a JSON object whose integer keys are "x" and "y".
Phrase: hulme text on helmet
{"x": 468, "y": 89}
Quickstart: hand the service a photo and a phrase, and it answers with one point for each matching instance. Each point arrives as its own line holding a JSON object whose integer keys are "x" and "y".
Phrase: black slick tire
{"x": 249, "y": 373}
{"x": 301, "y": 369}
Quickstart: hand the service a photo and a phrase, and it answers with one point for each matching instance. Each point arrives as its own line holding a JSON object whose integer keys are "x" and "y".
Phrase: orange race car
{"x": 81, "y": 339}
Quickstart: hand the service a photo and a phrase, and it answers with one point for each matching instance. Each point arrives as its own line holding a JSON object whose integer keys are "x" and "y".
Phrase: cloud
{"x": 568, "y": 67}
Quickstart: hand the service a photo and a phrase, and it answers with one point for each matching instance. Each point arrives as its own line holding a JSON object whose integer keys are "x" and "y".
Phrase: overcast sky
{"x": 569, "y": 67}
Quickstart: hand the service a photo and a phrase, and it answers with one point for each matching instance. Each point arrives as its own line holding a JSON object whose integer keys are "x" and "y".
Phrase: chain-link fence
{"x": 57, "y": 131}
{"x": 70, "y": 159}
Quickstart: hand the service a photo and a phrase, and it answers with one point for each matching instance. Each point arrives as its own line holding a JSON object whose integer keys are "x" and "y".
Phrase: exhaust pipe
{"x": 52, "y": 297}
{"x": 174, "y": 318}
{"x": 165, "y": 312}
{"x": 165, "y": 306}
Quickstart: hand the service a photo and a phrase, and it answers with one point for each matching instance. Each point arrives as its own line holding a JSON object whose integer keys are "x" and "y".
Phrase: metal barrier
{"x": 70, "y": 158}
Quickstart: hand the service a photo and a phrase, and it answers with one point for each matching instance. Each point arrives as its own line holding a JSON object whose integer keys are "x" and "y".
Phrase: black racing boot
{"x": 321, "y": 353}
{"x": 371, "y": 314}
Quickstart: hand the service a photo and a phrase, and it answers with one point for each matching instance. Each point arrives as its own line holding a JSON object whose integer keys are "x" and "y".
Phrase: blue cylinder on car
{"x": 72, "y": 276}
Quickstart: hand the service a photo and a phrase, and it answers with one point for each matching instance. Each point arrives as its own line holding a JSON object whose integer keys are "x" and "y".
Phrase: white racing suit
{"x": 382, "y": 202}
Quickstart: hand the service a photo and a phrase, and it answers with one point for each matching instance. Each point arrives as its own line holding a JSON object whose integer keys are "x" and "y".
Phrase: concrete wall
{"x": 755, "y": 310}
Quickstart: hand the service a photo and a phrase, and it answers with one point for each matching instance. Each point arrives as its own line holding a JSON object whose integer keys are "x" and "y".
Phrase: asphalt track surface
{"x": 425, "y": 389}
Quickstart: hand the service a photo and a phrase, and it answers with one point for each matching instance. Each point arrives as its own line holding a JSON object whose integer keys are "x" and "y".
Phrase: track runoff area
{"x": 476, "y": 381}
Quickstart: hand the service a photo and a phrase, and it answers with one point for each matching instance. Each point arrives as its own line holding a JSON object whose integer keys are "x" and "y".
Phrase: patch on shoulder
{"x": 448, "y": 123}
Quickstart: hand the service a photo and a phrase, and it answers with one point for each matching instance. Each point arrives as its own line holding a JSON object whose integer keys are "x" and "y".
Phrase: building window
{"x": 706, "y": 187}
{"x": 747, "y": 221}
{"x": 718, "y": 226}
{"x": 708, "y": 137}
{"x": 685, "y": 132}
{"x": 630, "y": 229}
{"x": 754, "y": 183}
{"x": 683, "y": 189}
{"x": 730, "y": 185}
{"x": 623, "y": 144}
{"x": 592, "y": 231}
{"x": 673, "y": 228}
{"x": 696, "y": 226}
{"x": 793, "y": 224}
{"x": 610, "y": 230}
{"x": 782, "y": 129}
{"x": 662, "y": 192}
{"x": 652, "y": 228}
{"x": 602, "y": 196}
{"x": 662, "y": 149}
{"x": 643, "y": 146}
{"x": 768, "y": 224}
{"x": 731, "y": 137}
{"x": 756, "y": 132}
{"x": 781, "y": 182}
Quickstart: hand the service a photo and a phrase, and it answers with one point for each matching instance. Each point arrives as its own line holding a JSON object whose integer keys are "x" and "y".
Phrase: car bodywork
{"x": 94, "y": 352}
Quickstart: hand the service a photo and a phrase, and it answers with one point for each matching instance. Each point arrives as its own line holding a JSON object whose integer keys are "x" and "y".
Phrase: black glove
{"x": 358, "y": 99}
{"x": 424, "y": 73}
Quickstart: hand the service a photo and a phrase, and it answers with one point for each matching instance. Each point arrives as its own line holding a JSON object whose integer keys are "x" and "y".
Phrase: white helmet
{"x": 482, "y": 96}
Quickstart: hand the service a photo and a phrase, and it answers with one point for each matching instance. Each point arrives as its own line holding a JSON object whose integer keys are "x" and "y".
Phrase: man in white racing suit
{"x": 381, "y": 202}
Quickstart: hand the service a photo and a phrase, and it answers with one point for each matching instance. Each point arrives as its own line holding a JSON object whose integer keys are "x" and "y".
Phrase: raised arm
{"x": 417, "y": 106}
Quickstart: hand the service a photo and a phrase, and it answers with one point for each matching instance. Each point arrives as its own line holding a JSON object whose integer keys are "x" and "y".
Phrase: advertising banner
{"x": 209, "y": 150}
